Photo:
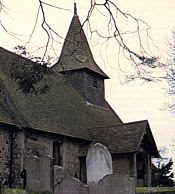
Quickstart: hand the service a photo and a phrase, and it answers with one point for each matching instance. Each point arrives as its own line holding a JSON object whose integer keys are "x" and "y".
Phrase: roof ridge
{"x": 16, "y": 55}
{"x": 122, "y": 124}
{"x": 139, "y": 121}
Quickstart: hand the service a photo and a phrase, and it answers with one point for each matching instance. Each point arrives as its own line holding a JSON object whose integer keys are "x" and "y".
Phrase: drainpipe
{"x": 135, "y": 167}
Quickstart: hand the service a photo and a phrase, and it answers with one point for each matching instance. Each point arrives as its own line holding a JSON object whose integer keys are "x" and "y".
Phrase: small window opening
{"x": 140, "y": 167}
{"x": 95, "y": 82}
{"x": 83, "y": 174}
{"x": 57, "y": 153}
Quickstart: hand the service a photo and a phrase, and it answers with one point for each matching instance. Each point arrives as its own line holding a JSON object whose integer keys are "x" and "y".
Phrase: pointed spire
{"x": 76, "y": 53}
{"x": 75, "y": 9}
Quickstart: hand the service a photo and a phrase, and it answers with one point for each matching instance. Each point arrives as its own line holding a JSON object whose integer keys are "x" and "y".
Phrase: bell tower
{"x": 76, "y": 62}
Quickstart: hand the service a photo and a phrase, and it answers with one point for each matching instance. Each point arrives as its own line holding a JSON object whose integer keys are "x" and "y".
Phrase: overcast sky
{"x": 133, "y": 101}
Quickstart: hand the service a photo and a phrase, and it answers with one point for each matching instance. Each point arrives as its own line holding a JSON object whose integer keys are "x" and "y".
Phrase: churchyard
{"x": 100, "y": 178}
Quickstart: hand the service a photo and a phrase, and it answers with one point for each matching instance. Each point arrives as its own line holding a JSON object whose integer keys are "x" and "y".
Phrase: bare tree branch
{"x": 46, "y": 27}
{"x": 110, "y": 10}
{"x": 144, "y": 57}
{"x": 3, "y": 8}
{"x": 61, "y": 8}
{"x": 37, "y": 16}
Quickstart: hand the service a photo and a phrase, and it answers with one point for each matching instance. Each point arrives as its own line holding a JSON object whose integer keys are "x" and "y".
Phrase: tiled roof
{"x": 61, "y": 110}
{"x": 125, "y": 138}
{"x": 76, "y": 53}
{"x": 5, "y": 115}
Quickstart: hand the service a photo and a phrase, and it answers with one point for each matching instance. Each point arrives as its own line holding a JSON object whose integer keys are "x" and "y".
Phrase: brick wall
{"x": 4, "y": 154}
{"x": 121, "y": 164}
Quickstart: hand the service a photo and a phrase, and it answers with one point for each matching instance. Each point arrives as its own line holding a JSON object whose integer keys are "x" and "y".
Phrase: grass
{"x": 154, "y": 189}
{"x": 19, "y": 191}
{"x": 138, "y": 190}
{"x": 15, "y": 191}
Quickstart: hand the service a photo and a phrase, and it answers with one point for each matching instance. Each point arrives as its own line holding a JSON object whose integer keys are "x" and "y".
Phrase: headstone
{"x": 46, "y": 174}
{"x": 33, "y": 174}
{"x": 39, "y": 173}
{"x": 117, "y": 183}
{"x": 98, "y": 163}
{"x": 71, "y": 186}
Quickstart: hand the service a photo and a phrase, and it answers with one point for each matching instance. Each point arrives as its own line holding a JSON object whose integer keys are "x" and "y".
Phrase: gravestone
{"x": 117, "y": 183}
{"x": 39, "y": 174}
{"x": 71, "y": 186}
{"x": 98, "y": 163}
{"x": 33, "y": 173}
{"x": 46, "y": 174}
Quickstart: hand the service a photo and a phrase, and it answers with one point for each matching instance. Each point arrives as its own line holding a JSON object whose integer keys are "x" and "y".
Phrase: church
{"x": 67, "y": 119}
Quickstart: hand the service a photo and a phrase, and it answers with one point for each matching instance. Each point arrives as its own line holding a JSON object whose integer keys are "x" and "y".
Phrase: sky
{"x": 132, "y": 101}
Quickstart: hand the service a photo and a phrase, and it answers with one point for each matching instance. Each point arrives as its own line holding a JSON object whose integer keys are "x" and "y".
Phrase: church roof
{"x": 61, "y": 110}
{"x": 126, "y": 138}
{"x": 76, "y": 53}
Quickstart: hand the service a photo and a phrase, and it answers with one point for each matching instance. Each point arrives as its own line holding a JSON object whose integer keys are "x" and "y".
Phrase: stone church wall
{"x": 71, "y": 166}
{"x": 18, "y": 155}
{"x": 37, "y": 144}
{"x": 4, "y": 154}
{"x": 40, "y": 144}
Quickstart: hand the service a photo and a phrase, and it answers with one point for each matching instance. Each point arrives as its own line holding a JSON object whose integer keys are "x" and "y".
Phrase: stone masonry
{"x": 4, "y": 154}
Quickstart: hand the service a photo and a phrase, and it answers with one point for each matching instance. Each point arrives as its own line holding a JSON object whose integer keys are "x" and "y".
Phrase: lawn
{"x": 138, "y": 190}
{"x": 154, "y": 189}
{"x": 15, "y": 191}
{"x": 19, "y": 191}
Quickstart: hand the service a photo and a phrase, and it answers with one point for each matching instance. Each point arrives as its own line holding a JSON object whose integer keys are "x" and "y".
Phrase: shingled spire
{"x": 76, "y": 53}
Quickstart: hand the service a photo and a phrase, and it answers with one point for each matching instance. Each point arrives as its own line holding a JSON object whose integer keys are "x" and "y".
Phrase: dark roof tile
{"x": 61, "y": 110}
{"x": 124, "y": 138}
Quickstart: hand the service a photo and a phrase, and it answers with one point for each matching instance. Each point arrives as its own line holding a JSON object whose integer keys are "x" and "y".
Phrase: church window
{"x": 57, "y": 153}
{"x": 83, "y": 174}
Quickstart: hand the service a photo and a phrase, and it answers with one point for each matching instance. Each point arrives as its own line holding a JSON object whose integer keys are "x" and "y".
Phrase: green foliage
{"x": 162, "y": 174}
{"x": 30, "y": 76}
{"x": 30, "y": 79}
